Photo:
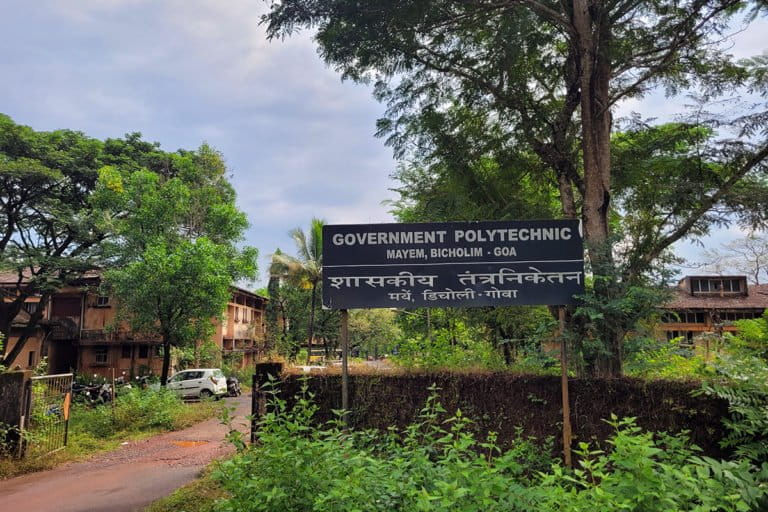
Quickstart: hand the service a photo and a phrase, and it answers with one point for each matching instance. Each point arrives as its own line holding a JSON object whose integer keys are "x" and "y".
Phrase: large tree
{"x": 52, "y": 222}
{"x": 176, "y": 252}
{"x": 547, "y": 75}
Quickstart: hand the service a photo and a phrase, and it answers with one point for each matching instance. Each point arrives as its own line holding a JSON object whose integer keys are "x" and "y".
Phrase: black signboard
{"x": 454, "y": 264}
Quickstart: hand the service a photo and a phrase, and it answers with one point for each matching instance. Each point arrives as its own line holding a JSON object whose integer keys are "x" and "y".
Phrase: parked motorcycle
{"x": 233, "y": 387}
{"x": 93, "y": 394}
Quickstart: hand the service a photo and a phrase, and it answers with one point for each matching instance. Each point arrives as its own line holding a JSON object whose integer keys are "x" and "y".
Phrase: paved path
{"x": 126, "y": 479}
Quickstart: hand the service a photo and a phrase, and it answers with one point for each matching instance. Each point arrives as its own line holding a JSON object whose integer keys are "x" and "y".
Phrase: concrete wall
{"x": 13, "y": 397}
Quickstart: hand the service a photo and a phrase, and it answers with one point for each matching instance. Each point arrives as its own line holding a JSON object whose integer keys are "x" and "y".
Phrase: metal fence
{"x": 47, "y": 421}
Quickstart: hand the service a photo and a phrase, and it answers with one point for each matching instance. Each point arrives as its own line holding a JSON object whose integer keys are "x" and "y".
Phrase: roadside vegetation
{"x": 437, "y": 464}
{"x": 136, "y": 414}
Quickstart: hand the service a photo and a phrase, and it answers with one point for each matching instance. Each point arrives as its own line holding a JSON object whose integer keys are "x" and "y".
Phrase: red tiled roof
{"x": 11, "y": 277}
{"x": 757, "y": 298}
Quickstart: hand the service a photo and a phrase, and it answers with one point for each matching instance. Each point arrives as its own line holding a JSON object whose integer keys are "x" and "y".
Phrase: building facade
{"x": 241, "y": 332}
{"x": 80, "y": 332}
{"x": 711, "y": 304}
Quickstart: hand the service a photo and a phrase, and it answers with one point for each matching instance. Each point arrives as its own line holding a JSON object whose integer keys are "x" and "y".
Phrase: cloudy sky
{"x": 299, "y": 141}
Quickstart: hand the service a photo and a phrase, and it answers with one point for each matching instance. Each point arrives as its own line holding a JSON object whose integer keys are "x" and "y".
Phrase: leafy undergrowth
{"x": 436, "y": 464}
{"x": 137, "y": 414}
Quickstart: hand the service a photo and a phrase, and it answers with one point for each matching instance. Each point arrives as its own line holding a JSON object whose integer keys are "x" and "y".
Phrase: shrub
{"x": 137, "y": 410}
{"x": 656, "y": 359}
{"x": 458, "y": 349}
{"x": 743, "y": 382}
{"x": 436, "y": 464}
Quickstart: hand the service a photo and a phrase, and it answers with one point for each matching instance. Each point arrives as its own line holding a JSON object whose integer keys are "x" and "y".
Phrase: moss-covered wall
{"x": 503, "y": 402}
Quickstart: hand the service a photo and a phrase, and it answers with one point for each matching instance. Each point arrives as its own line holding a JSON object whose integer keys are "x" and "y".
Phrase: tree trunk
{"x": 166, "y": 360}
{"x": 311, "y": 328}
{"x": 507, "y": 351}
{"x": 27, "y": 331}
{"x": 593, "y": 41}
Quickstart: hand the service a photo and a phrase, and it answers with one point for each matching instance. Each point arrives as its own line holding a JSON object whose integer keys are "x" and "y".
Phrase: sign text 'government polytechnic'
{"x": 455, "y": 264}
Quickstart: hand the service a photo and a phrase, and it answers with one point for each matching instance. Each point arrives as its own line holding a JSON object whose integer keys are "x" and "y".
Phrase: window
{"x": 126, "y": 352}
{"x": 700, "y": 285}
{"x": 30, "y": 307}
{"x": 237, "y": 314}
{"x": 31, "y": 361}
{"x": 102, "y": 301}
{"x": 143, "y": 351}
{"x": 669, "y": 318}
{"x": 100, "y": 354}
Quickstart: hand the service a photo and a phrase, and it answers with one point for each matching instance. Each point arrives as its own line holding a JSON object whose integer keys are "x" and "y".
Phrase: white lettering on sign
{"x": 456, "y": 252}
{"x": 512, "y": 235}
{"x": 401, "y": 254}
{"x": 389, "y": 238}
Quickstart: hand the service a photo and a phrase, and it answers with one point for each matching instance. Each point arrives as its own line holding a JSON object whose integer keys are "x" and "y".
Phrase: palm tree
{"x": 306, "y": 270}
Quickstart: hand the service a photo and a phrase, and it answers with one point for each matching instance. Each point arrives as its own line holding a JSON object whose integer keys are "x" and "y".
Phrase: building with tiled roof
{"x": 711, "y": 304}
{"x": 80, "y": 330}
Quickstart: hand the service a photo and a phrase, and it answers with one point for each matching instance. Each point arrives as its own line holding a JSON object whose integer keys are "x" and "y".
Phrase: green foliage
{"x": 176, "y": 254}
{"x": 137, "y": 410}
{"x": 743, "y": 382}
{"x": 612, "y": 306}
{"x": 654, "y": 359}
{"x": 205, "y": 354}
{"x": 302, "y": 272}
{"x": 436, "y": 464}
{"x": 504, "y": 110}
{"x": 52, "y": 220}
{"x": 373, "y": 332}
{"x": 752, "y": 337}
{"x": 647, "y": 472}
{"x": 457, "y": 348}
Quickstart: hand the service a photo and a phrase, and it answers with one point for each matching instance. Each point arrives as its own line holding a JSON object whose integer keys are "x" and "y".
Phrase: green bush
{"x": 456, "y": 349}
{"x": 743, "y": 383}
{"x": 437, "y": 464}
{"x": 654, "y": 359}
{"x": 134, "y": 410}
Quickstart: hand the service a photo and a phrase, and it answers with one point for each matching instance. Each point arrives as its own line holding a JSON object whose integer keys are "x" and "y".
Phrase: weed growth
{"x": 437, "y": 464}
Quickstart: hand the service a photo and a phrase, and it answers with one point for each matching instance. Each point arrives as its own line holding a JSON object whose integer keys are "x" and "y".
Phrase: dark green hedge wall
{"x": 502, "y": 402}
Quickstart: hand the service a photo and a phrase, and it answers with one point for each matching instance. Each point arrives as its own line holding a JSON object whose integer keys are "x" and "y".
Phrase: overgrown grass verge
{"x": 136, "y": 414}
{"x": 198, "y": 496}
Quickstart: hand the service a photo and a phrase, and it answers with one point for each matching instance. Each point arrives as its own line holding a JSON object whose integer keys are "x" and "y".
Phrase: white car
{"x": 199, "y": 382}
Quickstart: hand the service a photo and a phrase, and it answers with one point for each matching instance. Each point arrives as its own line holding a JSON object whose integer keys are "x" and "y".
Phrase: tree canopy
{"x": 305, "y": 270}
{"x": 52, "y": 220}
{"x": 529, "y": 87}
{"x": 175, "y": 251}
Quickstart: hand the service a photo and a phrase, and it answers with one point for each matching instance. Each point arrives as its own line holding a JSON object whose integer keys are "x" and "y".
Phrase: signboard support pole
{"x": 345, "y": 364}
{"x": 564, "y": 386}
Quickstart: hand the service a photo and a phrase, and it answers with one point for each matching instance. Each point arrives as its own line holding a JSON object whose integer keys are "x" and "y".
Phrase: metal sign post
{"x": 564, "y": 391}
{"x": 453, "y": 264}
{"x": 345, "y": 365}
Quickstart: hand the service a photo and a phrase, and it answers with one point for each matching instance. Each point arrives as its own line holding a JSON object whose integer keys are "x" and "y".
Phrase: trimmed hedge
{"x": 502, "y": 402}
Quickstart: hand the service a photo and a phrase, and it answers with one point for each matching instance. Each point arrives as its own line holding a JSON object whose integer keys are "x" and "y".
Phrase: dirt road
{"x": 126, "y": 479}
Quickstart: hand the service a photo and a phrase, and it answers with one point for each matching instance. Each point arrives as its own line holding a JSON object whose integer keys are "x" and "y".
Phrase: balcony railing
{"x": 119, "y": 336}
